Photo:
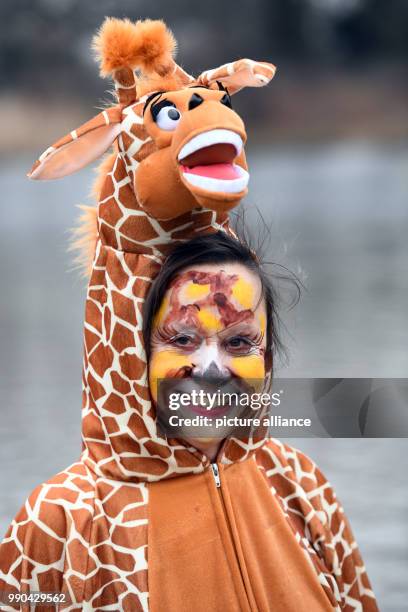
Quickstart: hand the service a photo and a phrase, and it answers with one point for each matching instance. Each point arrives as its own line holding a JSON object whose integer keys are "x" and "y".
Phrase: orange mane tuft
{"x": 145, "y": 45}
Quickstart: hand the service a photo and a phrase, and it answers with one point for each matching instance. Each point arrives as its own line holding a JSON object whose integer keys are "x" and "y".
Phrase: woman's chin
{"x": 203, "y": 441}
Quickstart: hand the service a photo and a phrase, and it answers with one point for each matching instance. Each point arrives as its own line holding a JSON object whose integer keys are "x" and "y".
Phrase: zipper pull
{"x": 216, "y": 474}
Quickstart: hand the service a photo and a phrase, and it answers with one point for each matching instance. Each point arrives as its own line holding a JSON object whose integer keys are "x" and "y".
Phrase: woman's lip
{"x": 203, "y": 411}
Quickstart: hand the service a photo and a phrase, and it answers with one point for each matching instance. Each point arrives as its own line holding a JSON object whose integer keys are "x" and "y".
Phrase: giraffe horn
{"x": 181, "y": 75}
{"x": 125, "y": 86}
{"x": 122, "y": 47}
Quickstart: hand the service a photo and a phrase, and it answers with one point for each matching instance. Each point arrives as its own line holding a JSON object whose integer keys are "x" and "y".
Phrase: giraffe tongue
{"x": 226, "y": 171}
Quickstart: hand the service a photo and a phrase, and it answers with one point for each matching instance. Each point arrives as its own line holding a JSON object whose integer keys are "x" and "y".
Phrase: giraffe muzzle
{"x": 207, "y": 163}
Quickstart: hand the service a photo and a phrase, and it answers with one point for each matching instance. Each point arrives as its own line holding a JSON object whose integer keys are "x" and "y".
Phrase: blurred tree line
{"x": 44, "y": 44}
{"x": 341, "y": 63}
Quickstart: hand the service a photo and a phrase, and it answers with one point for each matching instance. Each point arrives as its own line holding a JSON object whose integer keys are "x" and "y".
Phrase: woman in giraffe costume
{"x": 97, "y": 532}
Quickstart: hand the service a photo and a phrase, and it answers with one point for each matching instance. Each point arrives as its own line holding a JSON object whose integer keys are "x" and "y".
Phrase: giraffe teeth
{"x": 218, "y": 185}
{"x": 211, "y": 137}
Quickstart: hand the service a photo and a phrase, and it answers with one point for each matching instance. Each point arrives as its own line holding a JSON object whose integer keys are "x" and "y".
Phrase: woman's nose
{"x": 209, "y": 356}
{"x": 213, "y": 374}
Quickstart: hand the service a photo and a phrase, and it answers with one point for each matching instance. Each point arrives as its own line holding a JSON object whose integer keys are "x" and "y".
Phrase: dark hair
{"x": 215, "y": 248}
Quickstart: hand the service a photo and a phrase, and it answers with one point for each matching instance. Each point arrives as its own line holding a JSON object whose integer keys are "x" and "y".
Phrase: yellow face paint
{"x": 248, "y": 366}
{"x": 209, "y": 320}
{"x": 194, "y": 291}
{"x": 162, "y": 312}
{"x": 162, "y": 365}
{"x": 262, "y": 322}
{"x": 243, "y": 292}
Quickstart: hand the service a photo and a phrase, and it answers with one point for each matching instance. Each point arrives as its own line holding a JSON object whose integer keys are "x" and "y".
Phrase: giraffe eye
{"x": 168, "y": 118}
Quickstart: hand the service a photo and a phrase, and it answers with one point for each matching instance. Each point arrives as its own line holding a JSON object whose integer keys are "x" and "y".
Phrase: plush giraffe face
{"x": 179, "y": 144}
{"x": 199, "y": 152}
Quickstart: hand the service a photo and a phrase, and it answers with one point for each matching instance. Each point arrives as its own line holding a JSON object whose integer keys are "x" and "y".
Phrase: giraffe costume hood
{"x": 142, "y": 521}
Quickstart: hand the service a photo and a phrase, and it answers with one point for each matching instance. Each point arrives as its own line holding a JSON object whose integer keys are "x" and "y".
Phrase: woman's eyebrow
{"x": 240, "y": 326}
{"x": 180, "y": 326}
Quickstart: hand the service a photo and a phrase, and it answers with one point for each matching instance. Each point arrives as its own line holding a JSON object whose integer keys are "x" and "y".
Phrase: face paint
{"x": 262, "y": 322}
{"x": 209, "y": 316}
{"x": 194, "y": 291}
{"x": 242, "y": 291}
{"x": 162, "y": 312}
{"x": 209, "y": 320}
{"x": 250, "y": 366}
{"x": 166, "y": 364}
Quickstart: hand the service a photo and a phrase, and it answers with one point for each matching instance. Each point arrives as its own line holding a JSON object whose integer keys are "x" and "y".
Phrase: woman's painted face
{"x": 212, "y": 320}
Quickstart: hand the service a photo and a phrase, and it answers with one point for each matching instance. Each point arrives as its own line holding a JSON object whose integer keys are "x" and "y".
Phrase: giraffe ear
{"x": 239, "y": 74}
{"x": 78, "y": 148}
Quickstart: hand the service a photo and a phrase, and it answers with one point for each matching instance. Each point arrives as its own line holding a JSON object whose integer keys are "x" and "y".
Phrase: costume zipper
{"x": 216, "y": 473}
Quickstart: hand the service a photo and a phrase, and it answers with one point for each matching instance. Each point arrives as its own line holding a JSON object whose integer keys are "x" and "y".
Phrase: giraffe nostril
{"x": 195, "y": 101}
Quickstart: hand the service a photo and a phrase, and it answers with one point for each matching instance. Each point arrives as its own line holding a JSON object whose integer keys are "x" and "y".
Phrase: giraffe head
{"x": 180, "y": 142}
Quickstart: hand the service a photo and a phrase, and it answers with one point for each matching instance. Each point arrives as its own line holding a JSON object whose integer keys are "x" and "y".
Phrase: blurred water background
{"x": 328, "y": 158}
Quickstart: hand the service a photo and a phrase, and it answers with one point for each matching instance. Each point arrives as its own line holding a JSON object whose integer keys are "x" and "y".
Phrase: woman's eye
{"x": 167, "y": 118}
{"x": 184, "y": 341}
{"x": 239, "y": 344}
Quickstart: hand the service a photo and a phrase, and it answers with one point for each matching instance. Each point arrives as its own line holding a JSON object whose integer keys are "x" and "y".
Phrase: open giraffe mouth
{"x": 207, "y": 162}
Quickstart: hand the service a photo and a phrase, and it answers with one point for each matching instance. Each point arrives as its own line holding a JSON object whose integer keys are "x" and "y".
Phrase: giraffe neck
{"x": 125, "y": 226}
{"x": 120, "y": 435}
